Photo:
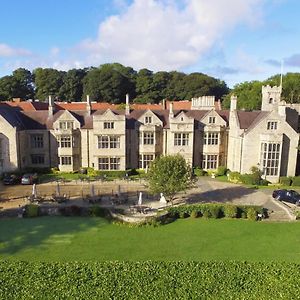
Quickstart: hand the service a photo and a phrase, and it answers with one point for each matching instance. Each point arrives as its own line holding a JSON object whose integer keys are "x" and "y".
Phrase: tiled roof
{"x": 250, "y": 118}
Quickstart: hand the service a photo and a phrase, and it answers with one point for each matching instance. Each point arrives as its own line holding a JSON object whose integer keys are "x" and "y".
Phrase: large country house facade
{"x": 102, "y": 136}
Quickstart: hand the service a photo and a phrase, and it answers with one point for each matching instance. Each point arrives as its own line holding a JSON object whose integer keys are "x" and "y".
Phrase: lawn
{"x": 95, "y": 239}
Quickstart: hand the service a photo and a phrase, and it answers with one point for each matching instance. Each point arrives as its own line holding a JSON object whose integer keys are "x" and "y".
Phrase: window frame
{"x": 37, "y": 141}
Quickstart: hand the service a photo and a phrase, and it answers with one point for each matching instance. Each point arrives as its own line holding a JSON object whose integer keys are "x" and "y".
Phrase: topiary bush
{"x": 31, "y": 210}
{"x": 251, "y": 214}
{"x": 230, "y": 211}
{"x": 194, "y": 214}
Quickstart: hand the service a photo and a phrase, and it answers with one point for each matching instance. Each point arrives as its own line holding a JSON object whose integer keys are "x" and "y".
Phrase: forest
{"x": 111, "y": 82}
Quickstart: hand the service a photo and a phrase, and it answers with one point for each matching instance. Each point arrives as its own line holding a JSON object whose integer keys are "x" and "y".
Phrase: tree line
{"x": 108, "y": 83}
{"x": 249, "y": 92}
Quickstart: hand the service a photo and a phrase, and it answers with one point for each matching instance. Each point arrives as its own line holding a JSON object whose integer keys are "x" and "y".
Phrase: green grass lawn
{"x": 95, "y": 239}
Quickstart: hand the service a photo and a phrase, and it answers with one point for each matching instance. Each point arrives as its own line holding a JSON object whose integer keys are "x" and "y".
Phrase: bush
{"x": 194, "y": 214}
{"x": 234, "y": 177}
{"x": 251, "y": 214}
{"x": 183, "y": 215}
{"x": 247, "y": 179}
{"x": 296, "y": 181}
{"x": 285, "y": 181}
{"x": 199, "y": 172}
{"x": 230, "y": 211}
{"x": 221, "y": 171}
{"x": 31, "y": 210}
{"x": 215, "y": 211}
{"x": 264, "y": 182}
{"x": 97, "y": 211}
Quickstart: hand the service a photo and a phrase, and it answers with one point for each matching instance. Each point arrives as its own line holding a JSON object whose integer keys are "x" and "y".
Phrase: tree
{"x": 23, "y": 84}
{"x": 169, "y": 175}
{"x": 72, "y": 87}
{"x": 7, "y": 88}
{"x": 47, "y": 82}
{"x": 107, "y": 84}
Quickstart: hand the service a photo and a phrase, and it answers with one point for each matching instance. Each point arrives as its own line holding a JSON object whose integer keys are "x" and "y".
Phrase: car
{"x": 290, "y": 196}
{"x": 29, "y": 178}
{"x": 11, "y": 179}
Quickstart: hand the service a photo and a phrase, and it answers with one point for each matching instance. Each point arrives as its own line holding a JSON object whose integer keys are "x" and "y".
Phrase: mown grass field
{"x": 94, "y": 239}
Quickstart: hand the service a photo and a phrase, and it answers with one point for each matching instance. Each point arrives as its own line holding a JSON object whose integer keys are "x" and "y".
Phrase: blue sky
{"x": 234, "y": 40}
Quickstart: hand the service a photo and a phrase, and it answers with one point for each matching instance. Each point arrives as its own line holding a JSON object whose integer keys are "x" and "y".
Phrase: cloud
{"x": 166, "y": 34}
{"x": 8, "y": 51}
{"x": 273, "y": 62}
{"x": 293, "y": 61}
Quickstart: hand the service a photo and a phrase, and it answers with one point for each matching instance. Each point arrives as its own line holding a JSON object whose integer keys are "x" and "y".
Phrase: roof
{"x": 250, "y": 118}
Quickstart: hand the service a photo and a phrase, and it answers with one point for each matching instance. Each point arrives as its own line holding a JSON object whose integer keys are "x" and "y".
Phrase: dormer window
{"x": 272, "y": 125}
{"x": 109, "y": 125}
{"x": 148, "y": 120}
{"x": 211, "y": 120}
{"x": 64, "y": 125}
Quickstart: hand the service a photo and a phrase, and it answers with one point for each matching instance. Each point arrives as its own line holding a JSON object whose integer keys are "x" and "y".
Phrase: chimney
{"x": 164, "y": 104}
{"x": 233, "y": 103}
{"x": 88, "y": 104}
{"x": 171, "y": 113}
{"x": 50, "y": 106}
{"x": 127, "y": 107}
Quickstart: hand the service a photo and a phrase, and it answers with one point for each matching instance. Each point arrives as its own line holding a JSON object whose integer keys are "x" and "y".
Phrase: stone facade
{"x": 100, "y": 136}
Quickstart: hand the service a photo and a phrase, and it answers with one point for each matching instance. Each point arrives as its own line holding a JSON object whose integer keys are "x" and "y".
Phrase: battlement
{"x": 271, "y": 89}
{"x": 204, "y": 102}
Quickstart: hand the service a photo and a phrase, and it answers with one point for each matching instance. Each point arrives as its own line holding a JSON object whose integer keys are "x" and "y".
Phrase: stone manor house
{"x": 103, "y": 136}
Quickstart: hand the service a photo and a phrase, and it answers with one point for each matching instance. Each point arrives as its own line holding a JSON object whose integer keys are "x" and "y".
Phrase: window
{"x": 37, "y": 159}
{"x": 109, "y": 163}
{"x": 148, "y": 138}
{"x": 65, "y": 125}
{"x": 37, "y": 141}
{"x": 65, "y": 141}
{"x": 108, "y": 141}
{"x": 181, "y": 139}
{"x": 272, "y": 125}
{"x": 270, "y": 158}
{"x": 211, "y": 120}
{"x": 148, "y": 120}
{"x": 109, "y": 125}
{"x": 270, "y": 100}
{"x": 211, "y": 138}
{"x": 145, "y": 160}
{"x": 209, "y": 161}
{"x": 66, "y": 160}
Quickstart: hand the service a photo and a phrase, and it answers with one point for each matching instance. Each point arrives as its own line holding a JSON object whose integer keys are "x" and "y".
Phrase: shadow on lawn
{"x": 21, "y": 234}
{"x": 220, "y": 195}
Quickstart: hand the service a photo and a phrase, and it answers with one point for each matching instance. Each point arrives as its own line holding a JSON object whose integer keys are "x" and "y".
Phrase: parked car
{"x": 29, "y": 178}
{"x": 11, "y": 179}
{"x": 290, "y": 196}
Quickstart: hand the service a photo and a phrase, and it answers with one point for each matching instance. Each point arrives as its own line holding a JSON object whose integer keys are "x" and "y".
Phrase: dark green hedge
{"x": 149, "y": 280}
{"x": 215, "y": 211}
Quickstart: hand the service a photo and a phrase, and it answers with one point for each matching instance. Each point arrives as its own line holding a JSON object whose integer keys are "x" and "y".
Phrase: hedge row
{"x": 149, "y": 280}
{"x": 217, "y": 211}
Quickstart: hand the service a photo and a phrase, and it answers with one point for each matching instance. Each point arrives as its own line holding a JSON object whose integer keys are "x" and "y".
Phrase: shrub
{"x": 251, "y": 214}
{"x": 247, "y": 179}
{"x": 285, "y": 181}
{"x": 296, "y": 181}
{"x": 264, "y": 182}
{"x": 230, "y": 211}
{"x": 194, "y": 214}
{"x": 97, "y": 211}
{"x": 234, "y": 177}
{"x": 183, "y": 215}
{"x": 199, "y": 172}
{"x": 221, "y": 171}
{"x": 215, "y": 211}
{"x": 297, "y": 215}
{"x": 206, "y": 212}
{"x": 31, "y": 210}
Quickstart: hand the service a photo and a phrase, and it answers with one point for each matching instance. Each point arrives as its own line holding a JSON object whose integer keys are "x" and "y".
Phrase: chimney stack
{"x": 171, "y": 113}
{"x": 127, "y": 107}
{"x": 88, "y": 104}
{"x": 50, "y": 106}
{"x": 233, "y": 103}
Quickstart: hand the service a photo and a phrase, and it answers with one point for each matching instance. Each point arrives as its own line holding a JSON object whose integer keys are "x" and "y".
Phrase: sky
{"x": 233, "y": 40}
